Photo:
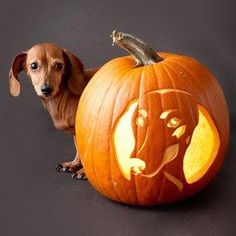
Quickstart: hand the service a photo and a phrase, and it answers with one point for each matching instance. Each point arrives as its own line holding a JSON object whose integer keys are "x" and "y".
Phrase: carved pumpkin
{"x": 151, "y": 128}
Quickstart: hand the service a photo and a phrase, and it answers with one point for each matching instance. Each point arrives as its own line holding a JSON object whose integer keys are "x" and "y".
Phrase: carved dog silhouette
{"x": 130, "y": 152}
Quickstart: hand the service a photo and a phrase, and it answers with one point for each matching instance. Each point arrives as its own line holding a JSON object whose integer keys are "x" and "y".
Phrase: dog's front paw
{"x": 80, "y": 174}
{"x": 71, "y": 166}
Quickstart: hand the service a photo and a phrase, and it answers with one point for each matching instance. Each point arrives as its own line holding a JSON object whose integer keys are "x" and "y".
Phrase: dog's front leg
{"x": 74, "y": 166}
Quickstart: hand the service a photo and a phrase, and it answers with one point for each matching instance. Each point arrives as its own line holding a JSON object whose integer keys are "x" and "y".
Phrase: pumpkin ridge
{"x": 136, "y": 137}
{"x": 174, "y": 86}
{"x": 115, "y": 103}
{"x": 88, "y": 143}
{"x": 206, "y": 96}
{"x": 87, "y": 93}
{"x": 171, "y": 66}
{"x": 208, "y": 105}
{"x": 179, "y": 106}
{"x": 163, "y": 125}
{"x": 82, "y": 97}
{"x": 114, "y": 123}
{"x": 95, "y": 129}
{"x": 109, "y": 149}
{"x": 195, "y": 80}
{"x": 134, "y": 75}
{"x": 181, "y": 174}
{"x": 199, "y": 86}
{"x": 93, "y": 135}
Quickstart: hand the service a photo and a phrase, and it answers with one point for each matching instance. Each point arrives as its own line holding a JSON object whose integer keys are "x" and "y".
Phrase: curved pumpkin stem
{"x": 143, "y": 53}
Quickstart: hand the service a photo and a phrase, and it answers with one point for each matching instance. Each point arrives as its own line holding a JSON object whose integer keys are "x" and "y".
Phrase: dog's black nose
{"x": 46, "y": 89}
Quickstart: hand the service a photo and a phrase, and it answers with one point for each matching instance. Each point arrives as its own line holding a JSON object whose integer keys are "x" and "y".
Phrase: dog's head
{"x": 49, "y": 67}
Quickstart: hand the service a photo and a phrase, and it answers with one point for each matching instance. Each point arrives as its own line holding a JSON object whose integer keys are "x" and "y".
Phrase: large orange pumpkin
{"x": 151, "y": 128}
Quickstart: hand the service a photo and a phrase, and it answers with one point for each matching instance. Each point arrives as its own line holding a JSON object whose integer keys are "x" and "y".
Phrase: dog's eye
{"x": 34, "y": 66}
{"x": 173, "y": 122}
{"x": 59, "y": 66}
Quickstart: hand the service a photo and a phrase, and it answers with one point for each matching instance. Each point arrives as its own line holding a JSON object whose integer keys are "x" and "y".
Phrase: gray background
{"x": 35, "y": 199}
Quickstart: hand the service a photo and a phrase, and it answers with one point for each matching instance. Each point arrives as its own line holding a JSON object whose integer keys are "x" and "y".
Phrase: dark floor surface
{"x": 37, "y": 200}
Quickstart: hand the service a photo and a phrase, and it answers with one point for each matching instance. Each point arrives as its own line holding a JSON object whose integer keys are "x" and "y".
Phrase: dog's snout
{"x": 46, "y": 89}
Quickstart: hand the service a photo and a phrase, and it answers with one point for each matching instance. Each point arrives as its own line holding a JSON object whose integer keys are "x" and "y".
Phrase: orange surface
{"x": 177, "y": 83}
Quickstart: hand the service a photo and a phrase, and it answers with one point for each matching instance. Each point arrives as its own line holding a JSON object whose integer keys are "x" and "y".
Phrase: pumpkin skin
{"x": 177, "y": 84}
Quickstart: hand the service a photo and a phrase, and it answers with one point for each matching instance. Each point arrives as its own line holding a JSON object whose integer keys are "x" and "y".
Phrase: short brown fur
{"x": 65, "y": 74}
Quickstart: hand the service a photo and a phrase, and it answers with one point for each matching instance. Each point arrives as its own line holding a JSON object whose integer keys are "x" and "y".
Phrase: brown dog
{"x": 58, "y": 78}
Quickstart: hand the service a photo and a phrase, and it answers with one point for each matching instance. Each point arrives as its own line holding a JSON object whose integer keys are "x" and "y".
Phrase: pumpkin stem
{"x": 143, "y": 53}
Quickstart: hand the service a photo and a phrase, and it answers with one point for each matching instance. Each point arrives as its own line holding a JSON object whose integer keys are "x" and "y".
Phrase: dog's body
{"x": 59, "y": 79}
{"x": 62, "y": 107}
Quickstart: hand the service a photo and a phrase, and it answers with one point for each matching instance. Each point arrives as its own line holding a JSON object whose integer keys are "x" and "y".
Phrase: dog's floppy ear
{"x": 17, "y": 66}
{"x": 74, "y": 71}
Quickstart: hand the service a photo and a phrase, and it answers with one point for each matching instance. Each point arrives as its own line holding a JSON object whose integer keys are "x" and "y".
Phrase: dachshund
{"x": 58, "y": 78}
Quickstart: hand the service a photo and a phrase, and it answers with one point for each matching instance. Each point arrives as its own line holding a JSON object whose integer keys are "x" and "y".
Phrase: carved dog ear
{"x": 74, "y": 71}
{"x": 17, "y": 66}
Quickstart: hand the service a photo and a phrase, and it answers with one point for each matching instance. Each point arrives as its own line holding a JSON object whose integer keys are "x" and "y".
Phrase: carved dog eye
{"x": 34, "y": 66}
{"x": 173, "y": 122}
{"x": 58, "y": 66}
